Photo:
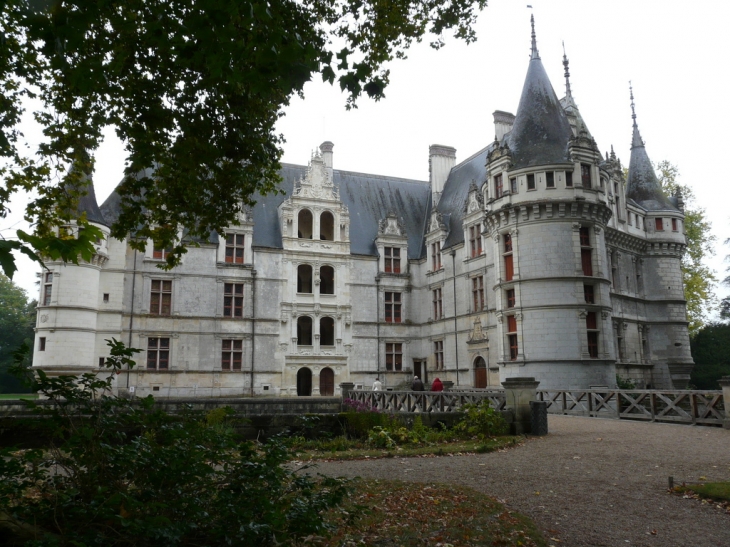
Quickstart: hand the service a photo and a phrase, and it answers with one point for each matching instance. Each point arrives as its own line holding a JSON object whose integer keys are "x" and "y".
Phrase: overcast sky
{"x": 674, "y": 52}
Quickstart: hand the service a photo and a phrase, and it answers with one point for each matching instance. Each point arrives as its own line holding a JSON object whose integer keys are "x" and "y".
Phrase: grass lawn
{"x": 355, "y": 452}
{"x": 16, "y": 396}
{"x": 718, "y": 491}
{"x": 393, "y": 513}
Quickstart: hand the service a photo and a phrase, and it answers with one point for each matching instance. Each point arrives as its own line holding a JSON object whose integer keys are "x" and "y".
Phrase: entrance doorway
{"x": 480, "y": 373}
{"x": 419, "y": 369}
{"x": 327, "y": 382}
{"x": 304, "y": 382}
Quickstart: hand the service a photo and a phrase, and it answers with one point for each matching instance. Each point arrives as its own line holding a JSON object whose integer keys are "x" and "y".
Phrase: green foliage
{"x": 120, "y": 472}
{"x": 698, "y": 279}
{"x": 481, "y": 421}
{"x": 17, "y": 319}
{"x": 193, "y": 88}
{"x": 711, "y": 353}
{"x": 624, "y": 383}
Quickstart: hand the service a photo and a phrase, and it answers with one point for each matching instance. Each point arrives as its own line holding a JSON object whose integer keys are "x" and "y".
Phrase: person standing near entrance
{"x": 377, "y": 385}
{"x": 437, "y": 385}
{"x": 417, "y": 384}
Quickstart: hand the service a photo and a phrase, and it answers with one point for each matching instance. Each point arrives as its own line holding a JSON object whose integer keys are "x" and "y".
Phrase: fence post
{"x": 725, "y": 384}
{"x": 346, "y": 388}
{"x": 518, "y": 393}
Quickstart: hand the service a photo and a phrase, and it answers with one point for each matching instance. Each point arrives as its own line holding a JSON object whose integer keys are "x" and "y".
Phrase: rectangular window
{"x": 498, "y": 186}
{"x": 393, "y": 356}
{"x": 511, "y": 298}
{"x": 392, "y": 259}
{"x": 436, "y": 255}
{"x": 509, "y": 271}
{"x": 585, "y": 175}
{"x": 569, "y": 179}
{"x": 586, "y": 262}
{"x": 475, "y": 240}
{"x": 593, "y": 345}
{"x": 158, "y": 353}
{"x": 591, "y": 320}
{"x": 477, "y": 292}
{"x": 513, "y": 185}
{"x": 513, "y": 348}
{"x": 47, "y": 288}
{"x": 234, "y": 248}
{"x": 550, "y": 179}
{"x": 106, "y": 298}
{"x": 511, "y": 323}
{"x": 42, "y": 343}
{"x": 392, "y": 307}
{"x": 161, "y": 297}
{"x": 588, "y": 294}
{"x": 438, "y": 352}
{"x": 530, "y": 182}
{"x": 233, "y": 300}
{"x": 659, "y": 224}
{"x": 161, "y": 254}
{"x": 637, "y": 222}
{"x": 102, "y": 360}
{"x": 674, "y": 224}
{"x": 232, "y": 355}
{"x": 585, "y": 237}
{"x": 438, "y": 309}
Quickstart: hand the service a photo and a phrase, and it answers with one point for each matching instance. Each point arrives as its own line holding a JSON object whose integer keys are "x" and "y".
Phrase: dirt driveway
{"x": 591, "y": 481}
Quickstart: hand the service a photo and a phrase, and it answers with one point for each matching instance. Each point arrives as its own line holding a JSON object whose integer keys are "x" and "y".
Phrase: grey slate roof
{"x": 456, "y": 191}
{"x": 643, "y": 186}
{"x": 541, "y": 130}
{"x": 88, "y": 204}
{"x": 368, "y": 198}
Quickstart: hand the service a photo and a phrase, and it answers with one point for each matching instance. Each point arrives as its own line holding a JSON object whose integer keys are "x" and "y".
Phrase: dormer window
{"x": 436, "y": 256}
{"x": 585, "y": 175}
{"x": 498, "y": 186}
{"x": 234, "y": 248}
{"x": 392, "y": 259}
{"x": 161, "y": 254}
{"x": 475, "y": 240}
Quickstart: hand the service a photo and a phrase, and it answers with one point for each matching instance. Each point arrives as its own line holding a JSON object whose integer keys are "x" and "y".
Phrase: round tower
{"x": 546, "y": 213}
{"x": 66, "y": 325}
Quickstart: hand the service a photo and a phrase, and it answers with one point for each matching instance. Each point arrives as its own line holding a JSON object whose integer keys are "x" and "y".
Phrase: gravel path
{"x": 590, "y": 482}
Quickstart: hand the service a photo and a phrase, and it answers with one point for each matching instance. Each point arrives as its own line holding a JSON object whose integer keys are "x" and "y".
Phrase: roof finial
{"x": 535, "y": 54}
{"x": 633, "y": 111}
{"x": 567, "y": 73}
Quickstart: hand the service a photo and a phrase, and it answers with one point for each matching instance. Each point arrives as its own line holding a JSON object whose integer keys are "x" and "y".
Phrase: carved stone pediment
{"x": 437, "y": 222}
{"x": 391, "y": 226}
{"x": 317, "y": 182}
{"x": 474, "y": 200}
{"x": 477, "y": 334}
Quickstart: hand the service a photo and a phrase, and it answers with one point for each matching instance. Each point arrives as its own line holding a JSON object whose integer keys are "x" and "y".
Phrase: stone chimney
{"x": 441, "y": 159}
{"x": 326, "y": 149}
{"x": 503, "y": 122}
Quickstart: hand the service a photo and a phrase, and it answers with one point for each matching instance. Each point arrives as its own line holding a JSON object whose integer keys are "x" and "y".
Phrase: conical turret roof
{"x": 541, "y": 130}
{"x": 87, "y": 202}
{"x": 643, "y": 185}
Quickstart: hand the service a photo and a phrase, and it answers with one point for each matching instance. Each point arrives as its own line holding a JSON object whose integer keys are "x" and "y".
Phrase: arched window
{"x": 326, "y": 280}
{"x": 305, "y": 223}
{"x": 327, "y": 226}
{"x": 304, "y": 331}
{"x": 304, "y": 278}
{"x": 326, "y": 331}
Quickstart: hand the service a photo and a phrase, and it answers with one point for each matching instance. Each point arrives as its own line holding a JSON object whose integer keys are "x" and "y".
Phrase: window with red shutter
{"x": 586, "y": 262}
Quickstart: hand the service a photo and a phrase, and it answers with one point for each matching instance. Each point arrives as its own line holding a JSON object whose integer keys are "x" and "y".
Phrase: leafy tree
{"x": 120, "y": 472}
{"x": 725, "y": 302}
{"x": 698, "y": 279}
{"x": 711, "y": 354}
{"x": 17, "y": 319}
{"x": 193, "y": 88}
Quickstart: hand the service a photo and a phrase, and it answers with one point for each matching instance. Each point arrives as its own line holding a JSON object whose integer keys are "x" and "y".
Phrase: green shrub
{"x": 120, "y": 472}
{"x": 624, "y": 383}
{"x": 481, "y": 421}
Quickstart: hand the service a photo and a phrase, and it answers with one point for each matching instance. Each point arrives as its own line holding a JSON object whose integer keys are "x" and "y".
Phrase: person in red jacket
{"x": 437, "y": 385}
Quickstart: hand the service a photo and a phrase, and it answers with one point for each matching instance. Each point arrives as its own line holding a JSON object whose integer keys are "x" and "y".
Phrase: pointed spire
{"x": 643, "y": 185}
{"x": 567, "y": 74}
{"x": 535, "y": 54}
{"x": 541, "y": 129}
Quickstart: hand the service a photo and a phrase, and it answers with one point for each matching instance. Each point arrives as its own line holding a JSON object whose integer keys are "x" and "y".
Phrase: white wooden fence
{"x": 679, "y": 406}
